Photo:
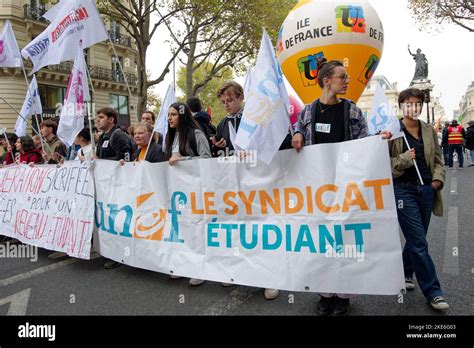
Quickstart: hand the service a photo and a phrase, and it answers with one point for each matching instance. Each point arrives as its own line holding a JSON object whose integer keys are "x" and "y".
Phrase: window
{"x": 120, "y": 104}
{"x": 114, "y": 31}
{"x": 116, "y": 72}
{"x": 51, "y": 96}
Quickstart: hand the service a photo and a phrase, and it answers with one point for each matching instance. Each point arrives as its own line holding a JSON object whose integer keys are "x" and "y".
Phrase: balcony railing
{"x": 34, "y": 12}
{"x": 96, "y": 72}
{"x": 112, "y": 75}
{"x": 120, "y": 39}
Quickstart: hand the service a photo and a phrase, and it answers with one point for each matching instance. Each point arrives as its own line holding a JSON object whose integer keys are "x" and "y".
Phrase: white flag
{"x": 31, "y": 106}
{"x": 265, "y": 120}
{"x": 10, "y": 56}
{"x": 248, "y": 80}
{"x": 382, "y": 117}
{"x": 74, "y": 109}
{"x": 72, "y": 21}
{"x": 161, "y": 125}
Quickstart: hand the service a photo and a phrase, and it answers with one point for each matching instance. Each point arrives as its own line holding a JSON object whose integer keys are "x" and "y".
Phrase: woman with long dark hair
{"x": 184, "y": 140}
{"x": 27, "y": 152}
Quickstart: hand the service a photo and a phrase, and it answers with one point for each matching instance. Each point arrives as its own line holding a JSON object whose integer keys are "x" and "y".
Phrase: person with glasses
{"x": 331, "y": 119}
{"x": 418, "y": 199}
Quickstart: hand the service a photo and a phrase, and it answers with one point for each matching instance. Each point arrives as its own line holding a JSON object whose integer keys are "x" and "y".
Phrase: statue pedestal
{"x": 422, "y": 84}
{"x": 426, "y": 86}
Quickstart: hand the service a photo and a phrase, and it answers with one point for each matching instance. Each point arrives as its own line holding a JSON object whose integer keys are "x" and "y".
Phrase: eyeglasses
{"x": 344, "y": 77}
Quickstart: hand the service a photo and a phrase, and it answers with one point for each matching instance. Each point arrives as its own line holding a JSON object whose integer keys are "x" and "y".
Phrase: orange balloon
{"x": 335, "y": 30}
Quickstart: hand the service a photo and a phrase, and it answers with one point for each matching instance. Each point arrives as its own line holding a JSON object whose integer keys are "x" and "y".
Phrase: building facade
{"x": 466, "y": 106}
{"x": 109, "y": 87}
{"x": 390, "y": 89}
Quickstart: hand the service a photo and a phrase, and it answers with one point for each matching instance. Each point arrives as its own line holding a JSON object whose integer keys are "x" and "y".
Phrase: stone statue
{"x": 421, "y": 69}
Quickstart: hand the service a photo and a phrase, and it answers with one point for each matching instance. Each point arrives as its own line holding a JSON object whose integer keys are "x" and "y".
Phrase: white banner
{"x": 323, "y": 220}
{"x": 72, "y": 21}
{"x": 49, "y": 207}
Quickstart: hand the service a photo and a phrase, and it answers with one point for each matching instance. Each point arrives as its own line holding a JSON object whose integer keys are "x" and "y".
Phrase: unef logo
{"x": 350, "y": 19}
{"x": 369, "y": 69}
{"x": 308, "y": 68}
{"x": 149, "y": 226}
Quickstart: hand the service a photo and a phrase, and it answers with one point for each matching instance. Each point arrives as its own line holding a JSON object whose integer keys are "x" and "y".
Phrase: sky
{"x": 450, "y": 54}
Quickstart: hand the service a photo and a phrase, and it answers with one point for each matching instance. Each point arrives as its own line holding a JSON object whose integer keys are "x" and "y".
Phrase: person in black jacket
{"x": 153, "y": 153}
{"x": 114, "y": 144}
{"x": 444, "y": 142}
{"x": 231, "y": 95}
{"x": 203, "y": 118}
{"x": 470, "y": 141}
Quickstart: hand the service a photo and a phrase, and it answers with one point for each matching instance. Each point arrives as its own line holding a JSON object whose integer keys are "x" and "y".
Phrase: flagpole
{"x": 89, "y": 111}
{"x": 120, "y": 66}
{"x": 414, "y": 161}
{"x": 11, "y": 107}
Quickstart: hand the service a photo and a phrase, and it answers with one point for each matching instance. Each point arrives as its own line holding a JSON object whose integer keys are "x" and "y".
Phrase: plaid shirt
{"x": 355, "y": 124}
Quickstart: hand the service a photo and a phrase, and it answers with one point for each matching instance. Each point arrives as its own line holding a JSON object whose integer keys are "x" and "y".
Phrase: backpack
{"x": 209, "y": 131}
{"x": 132, "y": 144}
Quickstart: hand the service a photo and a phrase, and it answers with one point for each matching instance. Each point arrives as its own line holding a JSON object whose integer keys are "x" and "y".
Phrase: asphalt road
{"x": 73, "y": 287}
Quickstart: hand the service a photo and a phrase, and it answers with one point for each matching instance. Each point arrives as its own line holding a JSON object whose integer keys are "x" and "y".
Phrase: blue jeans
{"x": 472, "y": 156}
{"x": 414, "y": 208}
{"x": 458, "y": 149}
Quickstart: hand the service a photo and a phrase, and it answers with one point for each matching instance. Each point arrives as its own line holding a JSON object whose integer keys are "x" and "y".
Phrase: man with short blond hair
{"x": 231, "y": 94}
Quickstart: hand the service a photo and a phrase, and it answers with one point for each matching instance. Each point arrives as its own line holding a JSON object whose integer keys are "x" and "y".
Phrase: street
{"x": 74, "y": 287}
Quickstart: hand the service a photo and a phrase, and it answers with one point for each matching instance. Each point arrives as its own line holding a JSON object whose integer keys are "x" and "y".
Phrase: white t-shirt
{"x": 85, "y": 151}
{"x": 175, "y": 147}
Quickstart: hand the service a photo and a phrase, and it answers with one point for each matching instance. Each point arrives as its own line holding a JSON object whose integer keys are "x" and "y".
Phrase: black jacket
{"x": 444, "y": 139}
{"x": 114, "y": 145}
{"x": 202, "y": 117}
{"x": 223, "y": 130}
{"x": 469, "y": 138}
{"x": 155, "y": 154}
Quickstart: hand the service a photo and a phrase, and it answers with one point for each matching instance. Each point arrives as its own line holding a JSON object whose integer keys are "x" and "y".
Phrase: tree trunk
{"x": 190, "y": 66}
{"x": 142, "y": 84}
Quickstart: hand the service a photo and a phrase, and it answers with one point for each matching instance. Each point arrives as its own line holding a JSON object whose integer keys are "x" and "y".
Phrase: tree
{"x": 153, "y": 102}
{"x": 135, "y": 17}
{"x": 226, "y": 32}
{"x": 207, "y": 94}
{"x": 430, "y": 12}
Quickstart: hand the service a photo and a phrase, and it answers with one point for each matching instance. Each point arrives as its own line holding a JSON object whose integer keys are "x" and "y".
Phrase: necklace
{"x": 327, "y": 108}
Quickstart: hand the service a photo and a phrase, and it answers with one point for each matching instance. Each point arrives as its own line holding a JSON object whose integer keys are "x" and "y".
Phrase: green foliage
{"x": 226, "y": 32}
